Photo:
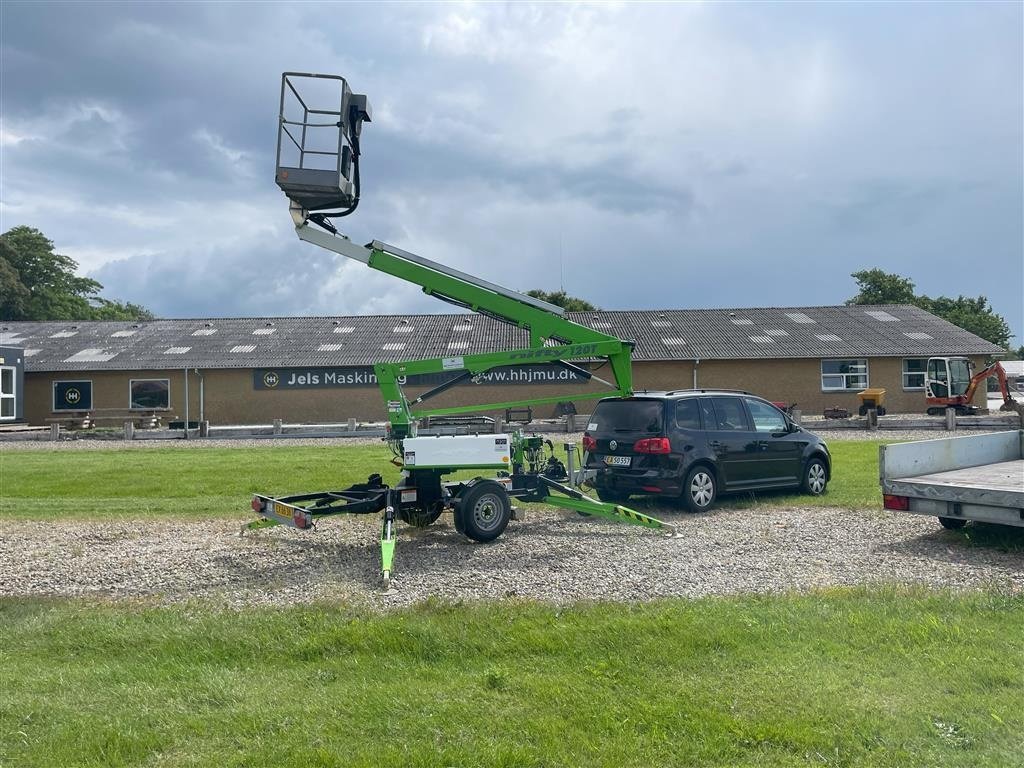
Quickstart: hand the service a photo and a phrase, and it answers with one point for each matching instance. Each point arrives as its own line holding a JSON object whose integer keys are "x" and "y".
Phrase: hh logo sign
{"x": 363, "y": 376}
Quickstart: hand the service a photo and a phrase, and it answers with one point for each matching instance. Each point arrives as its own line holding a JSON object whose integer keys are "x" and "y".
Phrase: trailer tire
{"x": 422, "y": 518}
{"x": 483, "y": 510}
{"x": 952, "y": 523}
{"x": 815, "y": 479}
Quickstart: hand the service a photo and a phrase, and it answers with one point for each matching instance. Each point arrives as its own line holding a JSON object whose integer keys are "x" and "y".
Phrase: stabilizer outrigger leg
{"x": 571, "y": 498}
{"x": 387, "y": 541}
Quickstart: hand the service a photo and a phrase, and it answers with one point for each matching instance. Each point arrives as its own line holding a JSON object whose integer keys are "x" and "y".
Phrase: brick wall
{"x": 230, "y": 398}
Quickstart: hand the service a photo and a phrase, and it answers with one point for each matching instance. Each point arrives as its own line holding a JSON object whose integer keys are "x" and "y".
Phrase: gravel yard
{"x": 552, "y": 555}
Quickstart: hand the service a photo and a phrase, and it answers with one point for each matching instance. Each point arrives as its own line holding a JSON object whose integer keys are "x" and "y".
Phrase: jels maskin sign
{"x": 363, "y": 376}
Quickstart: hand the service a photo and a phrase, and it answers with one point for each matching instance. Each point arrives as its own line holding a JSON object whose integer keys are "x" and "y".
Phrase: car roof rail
{"x": 711, "y": 390}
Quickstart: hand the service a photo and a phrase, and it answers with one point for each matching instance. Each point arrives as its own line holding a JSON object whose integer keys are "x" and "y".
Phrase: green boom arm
{"x": 544, "y": 322}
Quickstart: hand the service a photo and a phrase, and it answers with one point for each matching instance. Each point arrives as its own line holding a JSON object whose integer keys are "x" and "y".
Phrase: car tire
{"x": 612, "y": 497}
{"x": 483, "y": 511}
{"x": 700, "y": 489}
{"x": 952, "y": 523}
{"x": 815, "y": 479}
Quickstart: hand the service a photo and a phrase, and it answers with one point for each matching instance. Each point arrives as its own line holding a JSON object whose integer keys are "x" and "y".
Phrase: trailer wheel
{"x": 952, "y": 523}
{"x": 815, "y": 477}
{"x": 483, "y": 510}
{"x": 421, "y": 518}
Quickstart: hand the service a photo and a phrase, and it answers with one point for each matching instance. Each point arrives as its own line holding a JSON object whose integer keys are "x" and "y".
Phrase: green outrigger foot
{"x": 610, "y": 511}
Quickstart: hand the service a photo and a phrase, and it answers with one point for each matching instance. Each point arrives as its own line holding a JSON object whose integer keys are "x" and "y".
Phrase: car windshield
{"x": 627, "y": 416}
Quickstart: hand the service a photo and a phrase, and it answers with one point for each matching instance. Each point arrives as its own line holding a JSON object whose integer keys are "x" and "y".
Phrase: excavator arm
{"x": 997, "y": 370}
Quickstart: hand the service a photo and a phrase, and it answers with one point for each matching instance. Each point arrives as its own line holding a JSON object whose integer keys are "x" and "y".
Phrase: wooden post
{"x": 129, "y": 430}
{"x": 55, "y": 431}
{"x": 277, "y": 426}
{"x": 351, "y": 425}
{"x": 951, "y": 419}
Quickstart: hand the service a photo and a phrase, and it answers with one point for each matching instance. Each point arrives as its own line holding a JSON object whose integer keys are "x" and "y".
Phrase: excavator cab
{"x": 318, "y": 132}
{"x": 948, "y": 377}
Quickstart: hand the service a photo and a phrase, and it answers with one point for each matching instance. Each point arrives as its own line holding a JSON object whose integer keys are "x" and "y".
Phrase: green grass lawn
{"x": 843, "y": 678}
{"x": 876, "y": 677}
{"x": 216, "y": 482}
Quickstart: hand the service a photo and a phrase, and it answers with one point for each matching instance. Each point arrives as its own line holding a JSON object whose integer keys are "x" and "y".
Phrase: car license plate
{"x": 617, "y": 461}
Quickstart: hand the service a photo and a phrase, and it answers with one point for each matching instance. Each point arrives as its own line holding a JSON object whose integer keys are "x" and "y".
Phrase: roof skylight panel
{"x": 799, "y": 317}
{"x": 176, "y": 350}
{"x": 91, "y": 356}
{"x": 242, "y": 348}
{"x": 881, "y": 315}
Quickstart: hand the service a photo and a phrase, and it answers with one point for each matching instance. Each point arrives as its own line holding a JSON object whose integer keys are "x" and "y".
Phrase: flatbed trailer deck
{"x": 977, "y": 477}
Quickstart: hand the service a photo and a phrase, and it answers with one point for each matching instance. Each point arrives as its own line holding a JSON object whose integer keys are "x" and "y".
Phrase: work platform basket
{"x": 318, "y": 140}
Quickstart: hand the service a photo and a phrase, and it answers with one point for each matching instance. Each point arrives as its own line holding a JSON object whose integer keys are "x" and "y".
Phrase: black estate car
{"x": 693, "y": 445}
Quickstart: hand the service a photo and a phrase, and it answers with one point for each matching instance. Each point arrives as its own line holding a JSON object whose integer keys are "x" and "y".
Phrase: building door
{"x": 7, "y": 394}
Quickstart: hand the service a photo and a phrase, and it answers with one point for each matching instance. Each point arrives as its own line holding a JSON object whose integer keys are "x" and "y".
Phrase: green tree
{"x": 39, "y": 284}
{"x": 13, "y": 293}
{"x": 972, "y": 314}
{"x": 878, "y": 287}
{"x": 563, "y": 300}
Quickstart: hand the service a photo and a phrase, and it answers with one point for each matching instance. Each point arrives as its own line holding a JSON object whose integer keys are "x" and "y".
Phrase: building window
{"x": 913, "y": 372}
{"x": 151, "y": 394}
{"x": 7, "y": 393}
{"x": 72, "y": 395}
{"x": 840, "y": 375}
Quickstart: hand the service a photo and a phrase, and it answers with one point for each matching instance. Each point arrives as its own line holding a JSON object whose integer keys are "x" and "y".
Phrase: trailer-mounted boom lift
{"x": 523, "y": 469}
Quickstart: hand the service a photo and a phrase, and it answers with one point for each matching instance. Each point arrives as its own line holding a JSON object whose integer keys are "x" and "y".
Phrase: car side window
{"x": 687, "y": 416}
{"x": 707, "y": 412}
{"x": 730, "y": 413}
{"x": 766, "y": 417}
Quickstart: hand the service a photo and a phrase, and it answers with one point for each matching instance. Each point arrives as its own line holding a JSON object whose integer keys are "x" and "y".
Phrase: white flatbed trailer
{"x": 977, "y": 477}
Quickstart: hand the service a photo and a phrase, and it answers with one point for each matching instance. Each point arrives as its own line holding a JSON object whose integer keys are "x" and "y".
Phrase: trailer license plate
{"x": 617, "y": 461}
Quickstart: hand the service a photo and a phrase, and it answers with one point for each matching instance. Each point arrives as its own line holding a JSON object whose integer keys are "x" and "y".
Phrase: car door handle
{"x": 714, "y": 444}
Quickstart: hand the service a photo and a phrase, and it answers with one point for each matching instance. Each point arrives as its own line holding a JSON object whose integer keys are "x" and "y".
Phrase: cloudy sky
{"x": 641, "y": 156}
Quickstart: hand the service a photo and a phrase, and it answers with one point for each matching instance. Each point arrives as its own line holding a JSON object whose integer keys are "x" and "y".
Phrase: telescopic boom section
{"x": 546, "y": 323}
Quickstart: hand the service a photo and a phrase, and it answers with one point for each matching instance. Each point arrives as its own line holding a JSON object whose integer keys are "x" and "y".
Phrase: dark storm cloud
{"x": 741, "y": 154}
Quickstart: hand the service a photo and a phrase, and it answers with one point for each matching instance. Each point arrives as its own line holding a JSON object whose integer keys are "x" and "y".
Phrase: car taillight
{"x": 589, "y": 443}
{"x": 902, "y": 503}
{"x": 653, "y": 445}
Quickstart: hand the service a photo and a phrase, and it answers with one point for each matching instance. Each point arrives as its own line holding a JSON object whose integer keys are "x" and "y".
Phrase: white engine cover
{"x": 454, "y": 451}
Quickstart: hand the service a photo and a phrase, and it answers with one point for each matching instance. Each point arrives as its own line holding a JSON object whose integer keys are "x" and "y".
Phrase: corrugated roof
{"x": 671, "y": 334}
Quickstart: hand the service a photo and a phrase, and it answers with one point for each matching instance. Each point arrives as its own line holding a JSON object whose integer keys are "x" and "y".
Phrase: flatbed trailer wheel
{"x": 483, "y": 510}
